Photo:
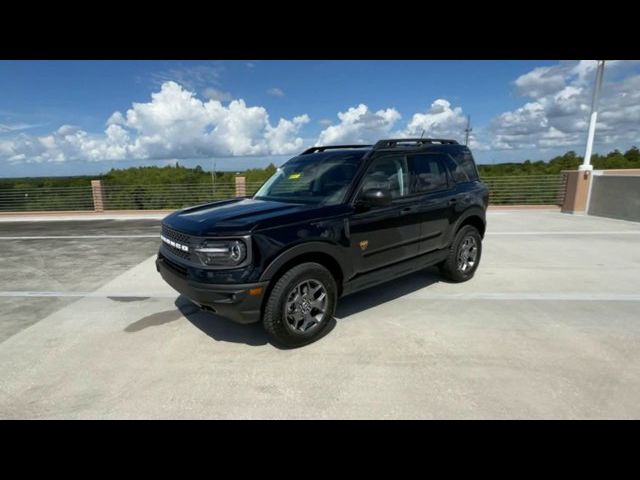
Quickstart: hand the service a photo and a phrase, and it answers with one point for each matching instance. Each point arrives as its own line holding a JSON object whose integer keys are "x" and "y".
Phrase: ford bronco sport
{"x": 329, "y": 222}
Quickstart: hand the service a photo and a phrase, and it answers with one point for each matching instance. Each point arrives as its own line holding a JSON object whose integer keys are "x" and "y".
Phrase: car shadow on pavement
{"x": 224, "y": 330}
{"x": 396, "y": 288}
{"x": 219, "y": 328}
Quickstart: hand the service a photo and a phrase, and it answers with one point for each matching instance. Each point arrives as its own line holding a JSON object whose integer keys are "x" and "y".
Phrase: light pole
{"x": 467, "y": 130}
{"x": 586, "y": 163}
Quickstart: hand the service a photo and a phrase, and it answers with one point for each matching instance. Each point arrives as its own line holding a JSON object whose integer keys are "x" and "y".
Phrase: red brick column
{"x": 241, "y": 187}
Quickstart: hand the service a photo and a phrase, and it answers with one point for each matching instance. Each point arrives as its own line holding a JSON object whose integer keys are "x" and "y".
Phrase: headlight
{"x": 222, "y": 253}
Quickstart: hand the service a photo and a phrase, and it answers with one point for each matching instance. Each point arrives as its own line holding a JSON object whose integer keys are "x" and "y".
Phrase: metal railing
{"x": 163, "y": 197}
{"x": 511, "y": 190}
{"x": 527, "y": 189}
{"x": 46, "y": 198}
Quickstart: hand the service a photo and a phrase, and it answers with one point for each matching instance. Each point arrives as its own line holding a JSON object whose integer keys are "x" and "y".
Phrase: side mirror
{"x": 376, "y": 197}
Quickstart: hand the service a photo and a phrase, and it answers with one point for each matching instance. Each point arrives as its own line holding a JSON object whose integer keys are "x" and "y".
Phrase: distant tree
{"x": 633, "y": 155}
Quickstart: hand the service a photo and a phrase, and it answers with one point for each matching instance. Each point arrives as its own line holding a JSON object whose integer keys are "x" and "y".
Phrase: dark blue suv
{"x": 329, "y": 222}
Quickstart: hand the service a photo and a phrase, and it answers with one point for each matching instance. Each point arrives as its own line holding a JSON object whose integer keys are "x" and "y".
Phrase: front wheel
{"x": 301, "y": 305}
{"x": 464, "y": 255}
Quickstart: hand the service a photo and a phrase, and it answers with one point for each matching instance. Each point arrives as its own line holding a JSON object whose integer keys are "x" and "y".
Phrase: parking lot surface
{"x": 548, "y": 328}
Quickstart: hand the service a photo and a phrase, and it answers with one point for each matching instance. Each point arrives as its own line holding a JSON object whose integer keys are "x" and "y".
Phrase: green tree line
{"x": 569, "y": 161}
{"x": 178, "y": 174}
{"x": 131, "y": 188}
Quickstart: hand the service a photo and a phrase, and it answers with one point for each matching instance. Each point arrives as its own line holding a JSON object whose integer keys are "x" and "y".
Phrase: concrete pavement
{"x": 548, "y": 328}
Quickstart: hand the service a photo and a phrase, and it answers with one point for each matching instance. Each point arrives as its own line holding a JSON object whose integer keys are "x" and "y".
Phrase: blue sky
{"x": 57, "y": 117}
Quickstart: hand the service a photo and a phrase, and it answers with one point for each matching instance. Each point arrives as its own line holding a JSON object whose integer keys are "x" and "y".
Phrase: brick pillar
{"x": 98, "y": 196}
{"x": 575, "y": 198}
{"x": 241, "y": 187}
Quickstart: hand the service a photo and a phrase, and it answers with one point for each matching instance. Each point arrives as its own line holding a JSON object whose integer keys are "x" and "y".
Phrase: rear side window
{"x": 465, "y": 166}
{"x": 428, "y": 173}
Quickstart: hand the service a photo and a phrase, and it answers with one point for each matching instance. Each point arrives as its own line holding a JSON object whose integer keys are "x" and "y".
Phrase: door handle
{"x": 407, "y": 210}
{"x": 453, "y": 201}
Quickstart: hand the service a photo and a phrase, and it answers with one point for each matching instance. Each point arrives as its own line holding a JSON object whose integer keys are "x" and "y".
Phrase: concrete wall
{"x": 615, "y": 196}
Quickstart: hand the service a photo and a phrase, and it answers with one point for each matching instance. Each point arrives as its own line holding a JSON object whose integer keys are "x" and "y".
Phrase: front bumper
{"x": 231, "y": 301}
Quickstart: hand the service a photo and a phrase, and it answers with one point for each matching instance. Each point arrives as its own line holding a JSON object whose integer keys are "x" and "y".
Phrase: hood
{"x": 237, "y": 216}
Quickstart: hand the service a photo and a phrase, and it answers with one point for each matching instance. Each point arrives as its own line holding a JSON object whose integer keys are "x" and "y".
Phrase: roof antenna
{"x": 422, "y": 134}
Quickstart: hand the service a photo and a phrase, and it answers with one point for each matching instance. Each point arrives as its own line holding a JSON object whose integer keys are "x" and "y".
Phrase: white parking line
{"x": 539, "y": 296}
{"x": 78, "y": 237}
{"x": 11, "y": 293}
{"x": 611, "y": 232}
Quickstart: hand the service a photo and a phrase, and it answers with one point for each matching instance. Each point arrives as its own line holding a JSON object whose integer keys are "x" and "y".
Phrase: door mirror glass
{"x": 376, "y": 197}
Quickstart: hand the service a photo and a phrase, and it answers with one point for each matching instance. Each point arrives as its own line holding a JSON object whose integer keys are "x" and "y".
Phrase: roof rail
{"x": 331, "y": 147}
{"x": 392, "y": 142}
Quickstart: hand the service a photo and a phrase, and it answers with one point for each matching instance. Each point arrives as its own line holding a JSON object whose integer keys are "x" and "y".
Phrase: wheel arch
{"x": 317, "y": 252}
{"x": 475, "y": 217}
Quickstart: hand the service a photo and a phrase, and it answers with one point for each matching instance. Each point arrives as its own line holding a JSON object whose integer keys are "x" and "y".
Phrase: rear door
{"x": 434, "y": 191}
{"x": 382, "y": 236}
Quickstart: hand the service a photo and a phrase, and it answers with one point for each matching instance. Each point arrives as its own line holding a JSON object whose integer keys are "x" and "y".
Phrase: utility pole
{"x": 586, "y": 163}
{"x": 467, "y": 130}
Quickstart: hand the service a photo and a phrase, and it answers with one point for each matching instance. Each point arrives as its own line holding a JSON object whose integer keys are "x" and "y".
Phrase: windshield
{"x": 319, "y": 179}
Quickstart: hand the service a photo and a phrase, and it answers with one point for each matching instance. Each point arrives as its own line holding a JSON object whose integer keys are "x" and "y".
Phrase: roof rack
{"x": 393, "y": 142}
{"x": 331, "y": 147}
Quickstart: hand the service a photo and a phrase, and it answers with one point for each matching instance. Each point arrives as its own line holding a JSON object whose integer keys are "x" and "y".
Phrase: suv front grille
{"x": 174, "y": 266}
{"x": 178, "y": 237}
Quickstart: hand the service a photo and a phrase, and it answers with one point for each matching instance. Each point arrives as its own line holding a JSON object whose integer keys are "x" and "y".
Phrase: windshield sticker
{"x": 295, "y": 176}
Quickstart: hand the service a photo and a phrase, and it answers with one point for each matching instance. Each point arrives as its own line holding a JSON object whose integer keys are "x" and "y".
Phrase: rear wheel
{"x": 464, "y": 255}
{"x": 301, "y": 304}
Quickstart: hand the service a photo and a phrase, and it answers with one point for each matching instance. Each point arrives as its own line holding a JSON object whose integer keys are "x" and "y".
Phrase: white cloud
{"x": 439, "y": 121}
{"x": 540, "y": 81}
{"x": 360, "y": 125}
{"x": 192, "y": 77}
{"x": 283, "y": 138}
{"x": 558, "y": 114}
{"x": 15, "y": 127}
{"x": 174, "y": 124}
{"x": 276, "y": 92}
{"x": 215, "y": 94}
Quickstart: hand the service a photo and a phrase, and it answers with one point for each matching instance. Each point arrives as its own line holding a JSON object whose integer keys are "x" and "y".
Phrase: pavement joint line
{"x": 540, "y": 296}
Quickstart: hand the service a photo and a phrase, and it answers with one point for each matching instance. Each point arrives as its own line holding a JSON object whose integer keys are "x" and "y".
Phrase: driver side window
{"x": 389, "y": 173}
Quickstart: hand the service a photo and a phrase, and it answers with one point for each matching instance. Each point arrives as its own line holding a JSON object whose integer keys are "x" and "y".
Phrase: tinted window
{"x": 462, "y": 166}
{"x": 321, "y": 179}
{"x": 390, "y": 173}
{"x": 457, "y": 172}
{"x": 428, "y": 173}
{"x": 465, "y": 161}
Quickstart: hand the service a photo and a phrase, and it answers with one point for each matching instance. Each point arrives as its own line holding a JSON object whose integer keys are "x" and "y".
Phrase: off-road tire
{"x": 274, "y": 320}
{"x": 449, "y": 268}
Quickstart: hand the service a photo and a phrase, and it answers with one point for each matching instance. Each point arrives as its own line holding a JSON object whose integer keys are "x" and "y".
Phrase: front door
{"x": 382, "y": 236}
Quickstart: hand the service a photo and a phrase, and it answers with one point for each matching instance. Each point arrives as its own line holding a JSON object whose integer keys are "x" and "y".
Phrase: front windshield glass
{"x": 319, "y": 179}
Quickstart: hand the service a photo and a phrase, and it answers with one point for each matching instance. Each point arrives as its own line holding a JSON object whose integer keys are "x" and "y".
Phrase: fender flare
{"x": 336, "y": 252}
{"x": 473, "y": 211}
